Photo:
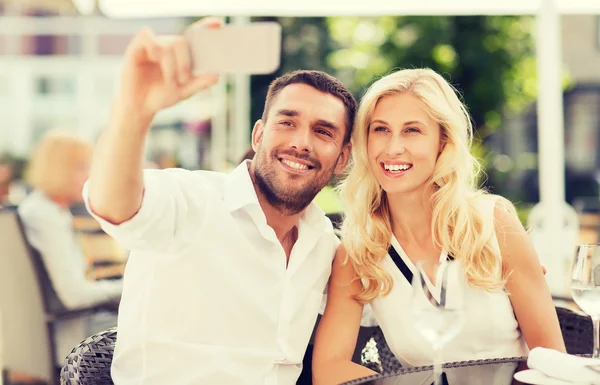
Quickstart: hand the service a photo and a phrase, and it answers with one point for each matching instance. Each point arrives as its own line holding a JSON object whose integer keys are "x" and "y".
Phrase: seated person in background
{"x": 58, "y": 168}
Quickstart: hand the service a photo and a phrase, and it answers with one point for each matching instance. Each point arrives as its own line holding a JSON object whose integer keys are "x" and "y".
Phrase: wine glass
{"x": 437, "y": 306}
{"x": 585, "y": 286}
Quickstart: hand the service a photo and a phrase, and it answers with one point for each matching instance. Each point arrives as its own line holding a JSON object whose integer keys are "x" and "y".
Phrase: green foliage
{"x": 490, "y": 59}
{"x": 306, "y": 42}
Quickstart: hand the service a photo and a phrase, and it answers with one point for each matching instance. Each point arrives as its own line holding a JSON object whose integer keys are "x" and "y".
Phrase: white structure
{"x": 553, "y": 247}
{"x": 73, "y": 91}
{"x": 141, "y": 8}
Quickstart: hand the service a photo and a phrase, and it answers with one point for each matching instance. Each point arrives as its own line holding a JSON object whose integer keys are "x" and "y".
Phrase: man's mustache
{"x": 301, "y": 156}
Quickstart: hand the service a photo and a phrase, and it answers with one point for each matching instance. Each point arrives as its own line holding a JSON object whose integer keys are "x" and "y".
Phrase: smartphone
{"x": 253, "y": 48}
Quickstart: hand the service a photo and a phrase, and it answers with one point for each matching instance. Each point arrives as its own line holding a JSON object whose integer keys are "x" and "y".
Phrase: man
{"x": 227, "y": 272}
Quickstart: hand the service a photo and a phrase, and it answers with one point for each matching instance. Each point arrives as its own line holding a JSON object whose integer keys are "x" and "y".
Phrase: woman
{"x": 58, "y": 169}
{"x": 413, "y": 187}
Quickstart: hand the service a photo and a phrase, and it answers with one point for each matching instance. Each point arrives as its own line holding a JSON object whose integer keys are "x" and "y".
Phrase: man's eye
{"x": 324, "y": 132}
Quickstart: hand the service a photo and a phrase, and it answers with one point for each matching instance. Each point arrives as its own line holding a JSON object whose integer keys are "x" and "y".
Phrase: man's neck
{"x": 283, "y": 225}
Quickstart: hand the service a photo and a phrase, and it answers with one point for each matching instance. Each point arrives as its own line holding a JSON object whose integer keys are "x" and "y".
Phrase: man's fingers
{"x": 168, "y": 66}
{"x": 183, "y": 60}
{"x": 210, "y": 22}
{"x": 146, "y": 40}
{"x": 198, "y": 84}
{"x": 171, "y": 55}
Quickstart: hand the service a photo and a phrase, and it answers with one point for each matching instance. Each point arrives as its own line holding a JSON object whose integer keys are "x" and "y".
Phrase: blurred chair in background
{"x": 25, "y": 346}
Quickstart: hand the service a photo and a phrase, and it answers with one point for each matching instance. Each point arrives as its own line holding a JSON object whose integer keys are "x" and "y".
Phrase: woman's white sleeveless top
{"x": 490, "y": 329}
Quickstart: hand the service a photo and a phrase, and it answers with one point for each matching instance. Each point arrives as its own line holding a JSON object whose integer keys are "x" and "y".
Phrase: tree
{"x": 306, "y": 42}
{"x": 490, "y": 59}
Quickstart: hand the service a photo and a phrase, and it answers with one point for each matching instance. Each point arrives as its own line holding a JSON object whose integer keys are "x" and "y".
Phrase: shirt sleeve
{"x": 172, "y": 205}
{"x": 65, "y": 262}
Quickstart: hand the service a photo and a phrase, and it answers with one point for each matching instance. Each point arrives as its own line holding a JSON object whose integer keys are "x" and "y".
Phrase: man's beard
{"x": 287, "y": 200}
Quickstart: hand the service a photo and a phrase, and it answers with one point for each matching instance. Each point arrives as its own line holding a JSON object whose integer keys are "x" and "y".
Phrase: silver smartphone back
{"x": 253, "y": 48}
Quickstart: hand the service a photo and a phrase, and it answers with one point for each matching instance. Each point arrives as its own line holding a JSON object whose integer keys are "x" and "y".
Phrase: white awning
{"x": 144, "y": 8}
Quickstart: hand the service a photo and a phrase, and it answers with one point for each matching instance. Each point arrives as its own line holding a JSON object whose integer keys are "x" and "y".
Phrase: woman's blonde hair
{"x": 458, "y": 226}
{"x": 52, "y": 162}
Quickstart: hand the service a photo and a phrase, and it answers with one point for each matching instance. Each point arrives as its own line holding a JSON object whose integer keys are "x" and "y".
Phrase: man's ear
{"x": 343, "y": 159}
{"x": 257, "y": 133}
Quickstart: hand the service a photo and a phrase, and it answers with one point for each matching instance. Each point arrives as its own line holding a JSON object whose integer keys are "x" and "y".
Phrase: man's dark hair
{"x": 320, "y": 81}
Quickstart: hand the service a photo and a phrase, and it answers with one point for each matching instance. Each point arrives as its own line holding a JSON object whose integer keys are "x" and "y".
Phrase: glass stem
{"x": 596, "y": 321}
{"x": 437, "y": 365}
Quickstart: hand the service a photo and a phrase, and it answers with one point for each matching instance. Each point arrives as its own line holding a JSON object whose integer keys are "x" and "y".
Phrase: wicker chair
{"x": 377, "y": 356}
{"x": 577, "y": 331}
{"x": 336, "y": 219}
{"x": 89, "y": 363}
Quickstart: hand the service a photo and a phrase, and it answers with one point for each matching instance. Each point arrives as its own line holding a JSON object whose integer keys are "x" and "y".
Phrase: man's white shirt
{"x": 207, "y": 297}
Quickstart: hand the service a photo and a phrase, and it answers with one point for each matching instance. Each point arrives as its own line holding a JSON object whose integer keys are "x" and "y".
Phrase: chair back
{"x": 336, "y": 219}
{"x": 24, "y": 342}
{"x": 577, "y": 331}
{"x": 89, "y": 363}
{"x": 377, "y": 356}
{"x": 53, "y": 306}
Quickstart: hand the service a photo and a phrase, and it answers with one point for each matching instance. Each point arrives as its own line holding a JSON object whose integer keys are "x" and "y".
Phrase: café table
{"x": 496, "y": 371}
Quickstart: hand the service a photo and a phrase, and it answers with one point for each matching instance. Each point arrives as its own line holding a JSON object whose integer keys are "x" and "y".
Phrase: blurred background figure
{"x": 58, "y": 169}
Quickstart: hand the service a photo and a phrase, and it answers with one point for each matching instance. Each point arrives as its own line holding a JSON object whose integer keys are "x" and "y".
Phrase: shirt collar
{"x": 240, "y": 192}
{"x": 239, "y": 189}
